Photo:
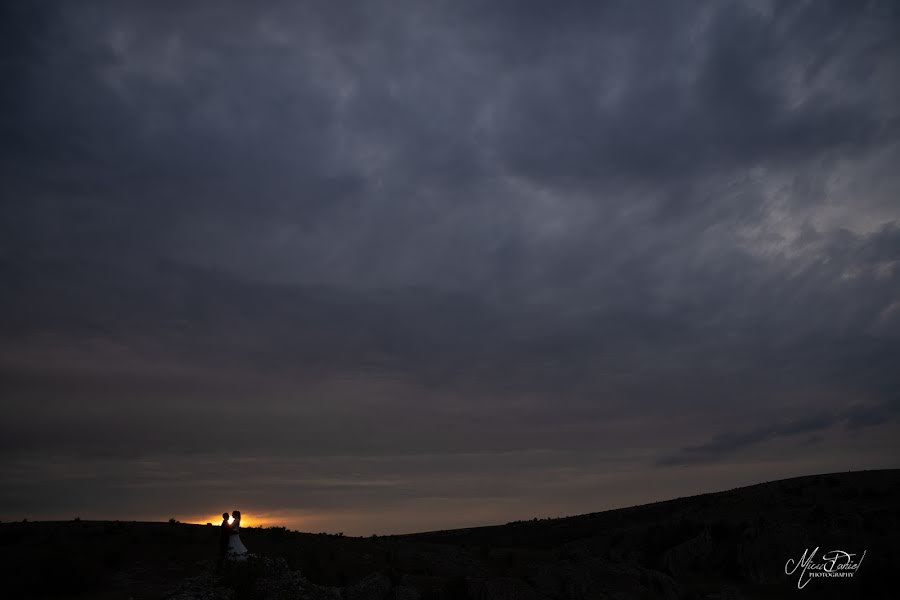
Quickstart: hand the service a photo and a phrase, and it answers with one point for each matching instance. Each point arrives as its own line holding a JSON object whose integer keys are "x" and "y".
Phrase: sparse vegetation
{"x": 703, "y": 547}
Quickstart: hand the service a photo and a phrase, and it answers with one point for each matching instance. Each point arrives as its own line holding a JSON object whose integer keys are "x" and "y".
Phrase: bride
{"x": 236, "y": 549}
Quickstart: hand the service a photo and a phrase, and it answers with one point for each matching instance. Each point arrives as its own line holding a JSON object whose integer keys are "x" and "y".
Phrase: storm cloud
{"x": 395, "y": 266}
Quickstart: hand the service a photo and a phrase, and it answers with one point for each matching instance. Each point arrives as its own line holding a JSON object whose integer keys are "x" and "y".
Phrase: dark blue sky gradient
{"x": 394, "y": 266}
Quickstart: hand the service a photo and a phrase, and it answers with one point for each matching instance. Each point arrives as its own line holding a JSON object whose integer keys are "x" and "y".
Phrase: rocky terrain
{"x": 728, "y": 545}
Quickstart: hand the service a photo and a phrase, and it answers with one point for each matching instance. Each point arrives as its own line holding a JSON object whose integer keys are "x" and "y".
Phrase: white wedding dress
{"x": 236, "y": 549}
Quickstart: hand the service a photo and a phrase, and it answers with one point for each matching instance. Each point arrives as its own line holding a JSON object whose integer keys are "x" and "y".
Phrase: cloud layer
{"x": 568, "y": 241}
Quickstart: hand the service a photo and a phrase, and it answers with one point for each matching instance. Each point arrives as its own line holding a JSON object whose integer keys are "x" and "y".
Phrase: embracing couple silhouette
{"x": 230, "y": 545}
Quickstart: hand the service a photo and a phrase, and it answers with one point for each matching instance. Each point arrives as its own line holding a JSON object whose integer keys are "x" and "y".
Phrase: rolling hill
{"x": 727, "y": 545}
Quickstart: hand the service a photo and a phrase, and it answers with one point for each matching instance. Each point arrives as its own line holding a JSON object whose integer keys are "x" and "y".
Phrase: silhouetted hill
{"x": 726, "y": 545}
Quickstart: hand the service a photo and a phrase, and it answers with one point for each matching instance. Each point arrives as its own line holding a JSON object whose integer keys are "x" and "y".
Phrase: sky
{"x": 384, "y": 267}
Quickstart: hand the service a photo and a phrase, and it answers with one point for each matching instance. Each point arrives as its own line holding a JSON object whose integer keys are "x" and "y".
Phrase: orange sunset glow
{"x": 247, "y": 520}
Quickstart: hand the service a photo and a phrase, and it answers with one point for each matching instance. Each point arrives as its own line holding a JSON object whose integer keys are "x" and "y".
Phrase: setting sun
{"x": 246, "y": 520}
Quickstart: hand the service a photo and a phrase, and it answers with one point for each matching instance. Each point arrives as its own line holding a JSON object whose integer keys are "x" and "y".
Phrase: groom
{"x": 224, "y": 532}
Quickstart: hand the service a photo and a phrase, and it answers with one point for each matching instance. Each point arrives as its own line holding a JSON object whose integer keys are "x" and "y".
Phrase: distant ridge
{"x": 731, "y": 544}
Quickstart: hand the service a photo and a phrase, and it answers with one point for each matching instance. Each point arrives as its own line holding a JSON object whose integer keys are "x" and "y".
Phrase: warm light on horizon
{"x": 246, "y": 521}
{"x": 298, "y": 521}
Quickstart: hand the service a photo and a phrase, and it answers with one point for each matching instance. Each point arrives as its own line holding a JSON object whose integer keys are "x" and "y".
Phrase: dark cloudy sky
{"x": 395, "y": 266}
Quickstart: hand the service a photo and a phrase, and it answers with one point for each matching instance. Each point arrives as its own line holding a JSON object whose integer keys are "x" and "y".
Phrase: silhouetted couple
{"x": 230, "y": 544}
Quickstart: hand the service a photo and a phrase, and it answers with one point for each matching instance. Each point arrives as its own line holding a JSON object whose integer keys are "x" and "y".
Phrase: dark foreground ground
{"x": 728, "y": 545}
